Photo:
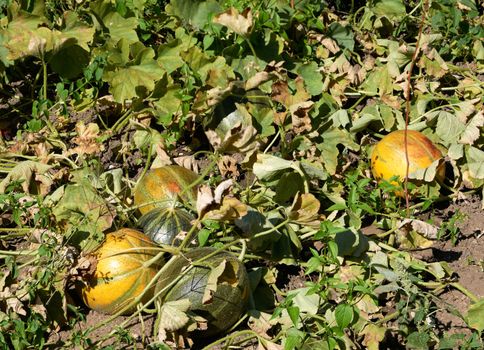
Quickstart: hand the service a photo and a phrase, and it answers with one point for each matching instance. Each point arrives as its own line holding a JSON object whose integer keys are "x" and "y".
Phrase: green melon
{"x": 162, "y": 225}
{"x": 230, "y": 299}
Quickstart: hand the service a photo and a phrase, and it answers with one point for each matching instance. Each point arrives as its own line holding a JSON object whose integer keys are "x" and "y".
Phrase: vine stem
{"x": 465, "y": 291}
{"x": 408, "y": 87}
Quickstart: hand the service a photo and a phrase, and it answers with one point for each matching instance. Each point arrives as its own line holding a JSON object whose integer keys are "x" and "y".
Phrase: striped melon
{"x": 230, "y": 299}
{"x": 162, "y": 225}
{"x": 161, "y": 187}
{"x": 120, "y": 274}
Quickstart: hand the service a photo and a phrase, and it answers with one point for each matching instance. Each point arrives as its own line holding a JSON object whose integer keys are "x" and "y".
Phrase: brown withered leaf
{"x": 300, "y": 116}
{"x": 30, "y": 173}
{"x": 235, "y": 133}
{"x": 217, "y": 205}
{"x": 86, "y": 139}
{"x": 240, "y": 23}
{"x": 297, "y": 104}
{"x": 228, "y": 166}
{"x": 230, "y": 209}
{"x": 258, "y": 79}
{"x": 305, "y": 209}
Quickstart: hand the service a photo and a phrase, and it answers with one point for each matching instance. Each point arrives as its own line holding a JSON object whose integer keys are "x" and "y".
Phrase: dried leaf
{"x": 173, "y": 317}
{"x": 258, "y": 79}
{"x": 13, "y": 303}
{"x": 228, "y": 166}
{"x": 473, "y": 129}
{"x": 425, "y": 229}
{"x": 234, "y": 133}
{"x": 213, "y": 281}
{"x": 230, "y": 209}
{"x": 305, "y": 209}
{"x": 374, "y": 335}
{"x": 86, "y": 139}
{"x": 27, "y": 171}
{"x": 300, "y": 116}
{"x": 204, "y": 199}
{"x": 240, "y": 23}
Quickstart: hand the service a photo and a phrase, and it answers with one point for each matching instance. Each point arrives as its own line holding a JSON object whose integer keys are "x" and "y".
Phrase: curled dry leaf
{"x": 216, "y": 205}
{"x": 30, "y": 173}
{"x": 298, "y": 104}
{"x": 228, "y": 166}
{"x": 240, "y": 23}
{"x": 86, "y": 139}
{"x": 234, "y": 133}
{"x": 427, "y": 230}
{"x": 258, "y": 79}
{"x": 305, "y": 209}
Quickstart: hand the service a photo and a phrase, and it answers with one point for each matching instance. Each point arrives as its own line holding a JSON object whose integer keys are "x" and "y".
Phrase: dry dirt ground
{"x": 466, "y": 259}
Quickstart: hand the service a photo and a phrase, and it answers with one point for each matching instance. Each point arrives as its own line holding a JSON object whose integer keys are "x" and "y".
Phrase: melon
{"x": 388, "y": 155}
{"x": 121, "y": 273}
{"x": 163, "y": 225}
{"x": 230, "y": 299}
{"x": 162, "y": 187}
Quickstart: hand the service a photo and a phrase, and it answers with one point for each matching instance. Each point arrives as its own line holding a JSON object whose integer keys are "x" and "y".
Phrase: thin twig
{"x": 407, "y": 100}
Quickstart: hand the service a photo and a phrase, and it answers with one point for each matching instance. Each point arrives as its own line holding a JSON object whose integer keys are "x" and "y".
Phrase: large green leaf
{"x": 393, "y": 9}
{"x": 329, "y": 147}
{"x": 85, "y": 213}
{"x": 193, "y": 12}
{"x": 134, "y": 80}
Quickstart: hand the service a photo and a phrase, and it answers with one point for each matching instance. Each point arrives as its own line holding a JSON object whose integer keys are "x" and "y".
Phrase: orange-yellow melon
{"x": 121, "y": 274}
{"x": 388, "y": 156}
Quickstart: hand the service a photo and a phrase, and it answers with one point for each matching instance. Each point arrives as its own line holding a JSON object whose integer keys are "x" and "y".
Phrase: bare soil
{"x": 465, "y": 258}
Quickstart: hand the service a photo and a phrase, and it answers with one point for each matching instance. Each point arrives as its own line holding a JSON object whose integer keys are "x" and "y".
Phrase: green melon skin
{"x": 162, "y": 225}
{"x": 161, "y": 187}
{"x": 230, "y": 299}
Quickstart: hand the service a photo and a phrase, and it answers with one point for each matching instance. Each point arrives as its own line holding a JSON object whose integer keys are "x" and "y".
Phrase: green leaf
{"x": 136, "y": 80}
{"x": 194, "y": 12}
{"x": 268, "y": 165}
{"x": 475, "y": 315}
{"x": 475, "y": 160}
{"x": 169, "y": 55}
{"x": 118, "y": 26}
{"x": 351, "y": 243}
{"x": 293, "y": 312}
{"x": 344, "y": 314}
{"x": 449, "y": 127}
{"x": 329, "y": 147}
{"x": 340, "y": 118}
{"x": 343, "y": 35}
{"x": 418, "y": 340}
{"x": 313, "y": 80}
{"x": 86, "y": 214}
{"x": 393, "y": 9}
{"x": 70, "y": 62}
